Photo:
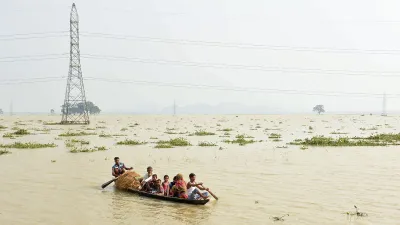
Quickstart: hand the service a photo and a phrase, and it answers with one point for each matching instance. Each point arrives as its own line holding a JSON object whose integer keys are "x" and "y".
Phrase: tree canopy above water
{"x": 319, "y": 109}
{"x": 80, "y": 108}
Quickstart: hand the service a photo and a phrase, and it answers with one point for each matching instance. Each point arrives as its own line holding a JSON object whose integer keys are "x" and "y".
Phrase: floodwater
{"x": 253, "y": 182}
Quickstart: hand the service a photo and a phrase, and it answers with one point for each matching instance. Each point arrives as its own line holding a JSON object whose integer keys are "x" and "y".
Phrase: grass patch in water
{"x": 8, "y": 135}
{"x": 131, "y": 142}
{"x": 3, "y": 152}
{"x": 202, "y": 133}
{"x": 163, "y": 146}
{"x": 2, "y": 127}
{"x": 383, "y": 137}
{"x": 103, "y": 135}
{"x": 86, "y": 150}
{"x": 21, "y": 132}
{"x": 124, "y": 129}
{"x": 334, "y": 132}
{"x": 339, "y": 142}
{"x": 274, "y": 136}
{"x": 243, "y": 136}
{"x": 29, "y": 145}
{"x": 71, "y": 134}
{"x": 240, "y": 140}
{"x": 175, "y": 142}
{"x": 153, "y": 138}
{"x": 206, "y": 144}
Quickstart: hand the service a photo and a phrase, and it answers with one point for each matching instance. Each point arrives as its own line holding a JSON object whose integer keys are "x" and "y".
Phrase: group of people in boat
{"x": 178, "y": 188}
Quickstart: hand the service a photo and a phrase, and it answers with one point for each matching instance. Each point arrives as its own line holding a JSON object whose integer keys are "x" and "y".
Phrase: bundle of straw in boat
{"x": 129, "y": 179}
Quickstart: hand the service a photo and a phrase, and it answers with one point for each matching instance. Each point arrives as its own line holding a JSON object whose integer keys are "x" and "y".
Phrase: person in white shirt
{"x": 193, "y": 188}
{"x": 148, "y": 176}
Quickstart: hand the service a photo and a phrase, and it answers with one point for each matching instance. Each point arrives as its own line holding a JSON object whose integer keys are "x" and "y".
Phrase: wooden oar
{"x": 216, "y": 198}
{"x": 108, "y": 183}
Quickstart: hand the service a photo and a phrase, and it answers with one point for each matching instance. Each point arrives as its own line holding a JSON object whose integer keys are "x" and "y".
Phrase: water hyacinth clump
{"x": 206, "y": 144}
{"x": 72, "y": 134}
{"x": 29, "y": 145}
{"x": 131, "y": 142}
{"x": 86, "y": 150}
{"x": 342, "y": 141}
{"x": 240, "y": 140}
{"x": 3, "y": 152}
{"x": 202, "y": 133}
{"x": 21, "y": 132}
{"x": 179, "y": 142}
{"x": 274, "y": 136}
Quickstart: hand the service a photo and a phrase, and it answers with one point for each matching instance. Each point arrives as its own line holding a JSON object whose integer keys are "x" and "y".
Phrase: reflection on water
{"x": 253, "y": 182}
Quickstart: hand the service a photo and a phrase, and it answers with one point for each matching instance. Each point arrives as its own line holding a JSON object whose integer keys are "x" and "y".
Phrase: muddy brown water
{"x": 253, "y": 182}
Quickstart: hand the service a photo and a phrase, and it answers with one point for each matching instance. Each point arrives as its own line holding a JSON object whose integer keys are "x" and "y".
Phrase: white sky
{"x": 339, "y": 24}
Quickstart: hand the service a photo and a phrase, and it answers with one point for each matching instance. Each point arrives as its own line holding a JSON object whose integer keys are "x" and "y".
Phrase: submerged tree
{"x": 1, "y": 111}
{"x": 52, "y": 111}
{"x": 80, "y": 108}
{"x": 319, "y": 109}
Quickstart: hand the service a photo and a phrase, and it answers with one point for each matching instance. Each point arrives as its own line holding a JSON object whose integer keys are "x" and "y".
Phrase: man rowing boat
{"x": 193, "y": 188}
{"x": 119, "y": 168}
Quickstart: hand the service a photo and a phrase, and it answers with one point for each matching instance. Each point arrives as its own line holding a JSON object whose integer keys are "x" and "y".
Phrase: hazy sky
{"x": 302, "y": 27}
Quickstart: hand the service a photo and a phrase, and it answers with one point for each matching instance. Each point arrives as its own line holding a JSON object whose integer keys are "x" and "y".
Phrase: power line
{"x": 241, "y": 89}
{"x": 9, "y": 37}
{"x": 245, "y": 67}
{"x": 243, "y": 45}
{"x": 202, "y": 86}
{"x": 306, "y": 71}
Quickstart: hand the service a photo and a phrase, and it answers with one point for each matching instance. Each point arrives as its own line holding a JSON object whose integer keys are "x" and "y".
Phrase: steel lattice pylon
{"x": 74, "y": 110}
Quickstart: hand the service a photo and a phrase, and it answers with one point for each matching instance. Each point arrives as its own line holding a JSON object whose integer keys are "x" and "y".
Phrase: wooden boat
{"x": 171, "y": 199}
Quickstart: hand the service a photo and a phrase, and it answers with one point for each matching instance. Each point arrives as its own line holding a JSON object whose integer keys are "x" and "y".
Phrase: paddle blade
{"x": 108, "y": 183}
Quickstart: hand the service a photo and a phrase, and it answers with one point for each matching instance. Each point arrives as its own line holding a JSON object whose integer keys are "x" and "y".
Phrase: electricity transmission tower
{"x": 74, "y": 110}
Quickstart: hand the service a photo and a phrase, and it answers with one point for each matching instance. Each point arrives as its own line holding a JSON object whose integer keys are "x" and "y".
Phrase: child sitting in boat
{"x": 150, "y": 184}
{"x": 159, "y": 190}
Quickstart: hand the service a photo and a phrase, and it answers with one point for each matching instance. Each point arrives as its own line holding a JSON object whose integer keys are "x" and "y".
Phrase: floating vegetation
{"x": 240, "y": 140}
{"x": 258, "y": 127}
{"x": 131, "y": 142}
{"x": 276, "y": 140}
{"x": 303, "y": 148}
{"x": 71, "y": 134}
{"x": 21, "y": 132}
{"x": 2, "y": 127}
{"x": 267, "y": 129}
{"x": 70, "y": 143}
{"x": 95, "y": 149}
{"x": 357, "y": 213}
{"x": 342, "y": 141}
{"x": 274, "y": 136}
{"x": 202, "y": 133}
{"x": 102, "y": 121}
{"x": 153, "y": 138}
{"x": 119, "y": 135}
{"x": 384, "y": 137}
{"x": 334, "y": 132}
{"x": 89, "y": 128}
{"x": 243, "y": 136}
{"x": 101, "y": 127}
{"x": 8, "y": 135}
{"x": 227, "y": 129}
{"x": 282, "y": 146}
{"x": 277, "y": 218}
{"x": 103, "y": 135}
{"x": 175, "y": 142}
{"x": 170, "y": 132}
{"x": 3, "y": 152}
{"x": 124, "y": 129}
{"x": 206, "y": 144}
{"x": 163, "y": 146}
{"x": 30, "y": 145}
{"x": 372, "y": 128}
{"x": 310, "y": 128}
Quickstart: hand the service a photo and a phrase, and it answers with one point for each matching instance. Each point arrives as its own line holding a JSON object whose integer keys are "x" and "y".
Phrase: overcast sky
{"x": 301, "y": 27}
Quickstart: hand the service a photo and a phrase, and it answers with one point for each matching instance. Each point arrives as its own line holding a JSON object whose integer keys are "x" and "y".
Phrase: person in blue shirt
{"x": 119, "y": 167}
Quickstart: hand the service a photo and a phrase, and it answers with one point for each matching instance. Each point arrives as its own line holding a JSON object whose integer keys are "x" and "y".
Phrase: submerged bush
{"x": 95, "y": 149}
{"x": 175, "y": 142}
{"x": 202, "y": 133}
{"x": 342, "y": 141}
{"x": 28, "y": 145}
{"x": 206, "y": 144}
{"x": 3, "y": 152}
{"x": 131, "y": 142}
{"x": 72, "y": 134}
